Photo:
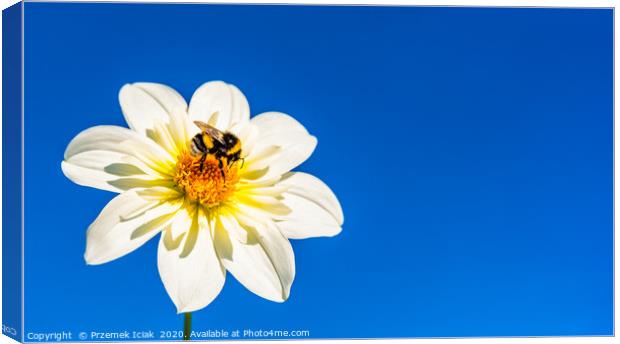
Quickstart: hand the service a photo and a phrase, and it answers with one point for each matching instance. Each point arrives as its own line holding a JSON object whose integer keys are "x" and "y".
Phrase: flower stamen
{"x": 206, "y": 183}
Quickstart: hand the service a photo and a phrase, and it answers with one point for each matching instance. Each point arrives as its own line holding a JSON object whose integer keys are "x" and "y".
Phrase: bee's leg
{"x": 221, "y": 166}
{"x": 202, "y": 162}
{"x": 242, "y": 162}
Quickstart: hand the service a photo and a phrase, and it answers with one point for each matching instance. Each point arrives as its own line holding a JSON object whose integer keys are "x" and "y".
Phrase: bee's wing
{"x": 211, "y": 131}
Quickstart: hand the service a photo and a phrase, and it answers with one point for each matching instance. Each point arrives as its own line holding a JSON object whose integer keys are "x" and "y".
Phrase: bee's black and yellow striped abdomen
{"x": 208, "y": 141}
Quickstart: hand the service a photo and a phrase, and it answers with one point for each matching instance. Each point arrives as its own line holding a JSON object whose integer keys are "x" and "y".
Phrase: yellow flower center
{"x": 206, "y": 182}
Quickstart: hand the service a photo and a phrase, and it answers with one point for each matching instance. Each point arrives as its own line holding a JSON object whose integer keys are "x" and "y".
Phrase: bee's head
{"x": 230, "y": 140}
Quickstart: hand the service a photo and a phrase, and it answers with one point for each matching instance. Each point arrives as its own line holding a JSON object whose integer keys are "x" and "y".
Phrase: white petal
{"x": 225, "y": 101}
{"x": 240, "y": 112}
{"x": 101, "y": 170}
{"x": 266, "y": 204}
{"x": 277, "y": 122}
{"x": 280, "y": 253}
{"x": 166, "y": 96}
{"x": 115, "y": 139}
{"x": 103, "y": 137}
{"x": 174, "y": 136}
{"x": 260, "y": 158}
{"x": 233, "y": 227}
{"x": 315, "y": 210}
{"x": 163, "y": 137}
{"x": 118, "y": 230}
{"x": 265, "y": 266}
{"x": 192, "y": 282}
{"x": 179, "y": 227}
{"x": 313, "y": 189}
{"x": 180, "y": 129}
{"x": 141, "y": 109}
{"x": 307, "y": 219}
{"x": 247, "y": 134}
{"x": 93, "y": 156}
{"x": 295, "y": 148}
{"x": 120, "y": 140}
{"x": 281, "y": 131}
{"x": 277, "y": 129}
{"x": 159, "y": 193}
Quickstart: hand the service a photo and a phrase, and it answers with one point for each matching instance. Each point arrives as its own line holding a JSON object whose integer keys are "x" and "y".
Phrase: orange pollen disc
{"x": 209, "y": 185}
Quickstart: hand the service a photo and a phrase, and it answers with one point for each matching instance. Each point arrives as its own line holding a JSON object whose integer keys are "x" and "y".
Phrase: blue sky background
{"x": 471, "y": 149}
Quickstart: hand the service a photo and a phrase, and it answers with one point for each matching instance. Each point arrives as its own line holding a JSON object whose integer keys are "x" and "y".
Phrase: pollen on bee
{"x": 208, "y": 184}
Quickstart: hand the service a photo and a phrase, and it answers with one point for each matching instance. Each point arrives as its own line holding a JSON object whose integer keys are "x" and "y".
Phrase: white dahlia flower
{"x": 213, "y": 217}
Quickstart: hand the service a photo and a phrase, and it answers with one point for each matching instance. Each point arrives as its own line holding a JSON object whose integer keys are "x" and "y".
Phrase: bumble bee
{"x": 224, "y": 146}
